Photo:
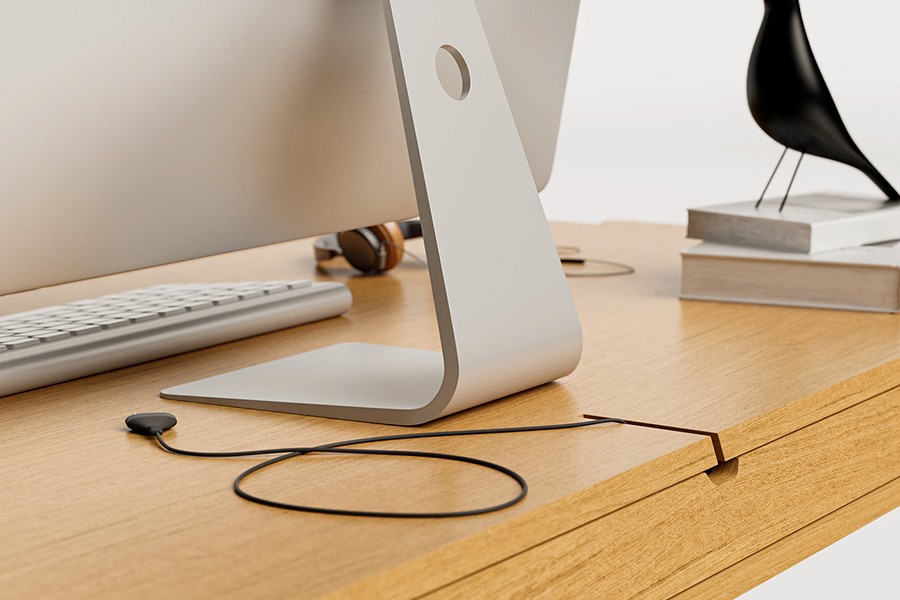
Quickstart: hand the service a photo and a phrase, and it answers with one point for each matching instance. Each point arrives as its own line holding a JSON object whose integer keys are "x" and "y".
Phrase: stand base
{"x": 362, "y": 382}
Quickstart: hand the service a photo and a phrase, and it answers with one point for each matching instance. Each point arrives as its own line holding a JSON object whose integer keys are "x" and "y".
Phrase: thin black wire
{"x": 412, "y": 255}
{"x": 771, "y": 177}
{"x": 523, "y": 487}
{"x": 566, "y": 257}
{"x": 623, "y": 268}
{"x": 340, "y": 448}
{"x": 791, "y": 184}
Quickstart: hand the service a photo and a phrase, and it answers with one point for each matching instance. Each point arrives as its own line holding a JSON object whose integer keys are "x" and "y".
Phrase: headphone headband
{"x": 410, "y": 229}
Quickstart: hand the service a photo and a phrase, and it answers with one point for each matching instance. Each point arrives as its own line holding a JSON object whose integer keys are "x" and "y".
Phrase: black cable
{"x": 623, "y": 268}
{"x": 566, "y": 258}
{"x": 400, "y": 515}
{"x": 340, "y": 448}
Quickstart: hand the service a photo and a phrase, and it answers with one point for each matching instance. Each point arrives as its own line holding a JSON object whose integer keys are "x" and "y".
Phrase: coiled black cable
{"x": 340, "y": 448}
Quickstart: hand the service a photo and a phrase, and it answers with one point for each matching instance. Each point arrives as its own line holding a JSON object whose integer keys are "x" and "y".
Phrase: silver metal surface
{"x": 135, "y": 133}
{"x": 507, "y": 323}
{"x": 361, "y": 382}
{"x": 60, "y": 343}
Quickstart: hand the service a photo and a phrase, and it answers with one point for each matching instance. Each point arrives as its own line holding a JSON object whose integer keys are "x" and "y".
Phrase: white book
{"x": 863, "y": 278}
{"x": 808, "y": 223}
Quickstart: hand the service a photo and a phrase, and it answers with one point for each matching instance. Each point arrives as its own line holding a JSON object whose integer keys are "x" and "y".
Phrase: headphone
{"x": 380, "y": 248}
{"x": 373, "y": 249}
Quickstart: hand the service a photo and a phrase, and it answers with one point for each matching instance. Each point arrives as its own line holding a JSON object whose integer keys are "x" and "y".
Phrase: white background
{"x": 656, "y": 120}
{"x": 656, "y": 115}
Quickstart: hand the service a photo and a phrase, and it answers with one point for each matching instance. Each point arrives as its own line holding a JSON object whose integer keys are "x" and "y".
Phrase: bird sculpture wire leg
{"x": 797, "y": 168}
{"x": 765, "y": 189}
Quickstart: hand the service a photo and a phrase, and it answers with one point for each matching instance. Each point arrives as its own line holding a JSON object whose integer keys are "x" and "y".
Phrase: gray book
{"x": 865, "y": 278}
{"x": 809, "y": 223}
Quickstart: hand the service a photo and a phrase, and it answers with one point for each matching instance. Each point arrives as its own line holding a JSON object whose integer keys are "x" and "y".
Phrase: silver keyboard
{"x": 59, "y": 343}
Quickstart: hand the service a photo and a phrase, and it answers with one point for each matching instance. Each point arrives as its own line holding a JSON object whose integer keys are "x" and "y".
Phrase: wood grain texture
{"x": 80, "y": 515}
{"x": 491, "y": 546}
{"x": 746, "y": 374}
{"x": 800, "y": 545}
{"x": 91, "y": 511}
{"x": 680, "y": 536}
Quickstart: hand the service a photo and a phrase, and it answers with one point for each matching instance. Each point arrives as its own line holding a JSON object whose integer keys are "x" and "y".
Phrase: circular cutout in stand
{"x": 453, "y": 72}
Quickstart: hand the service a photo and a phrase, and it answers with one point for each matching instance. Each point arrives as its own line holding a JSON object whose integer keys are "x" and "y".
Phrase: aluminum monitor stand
{"x": 506, "y": 318}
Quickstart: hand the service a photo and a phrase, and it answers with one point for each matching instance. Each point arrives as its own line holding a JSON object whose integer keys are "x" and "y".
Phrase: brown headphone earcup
{"x": 391, "y": 238}
{"x": 369, "y": 249}
{"x": 362, "y": 249}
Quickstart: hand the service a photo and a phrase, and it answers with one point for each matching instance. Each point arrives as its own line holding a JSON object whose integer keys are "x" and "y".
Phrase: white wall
{"x": 656, "y": 120}
{"x": 656, "y": 115}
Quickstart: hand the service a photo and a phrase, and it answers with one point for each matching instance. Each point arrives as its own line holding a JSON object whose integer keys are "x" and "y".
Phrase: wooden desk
{"x": 90, "y": 511}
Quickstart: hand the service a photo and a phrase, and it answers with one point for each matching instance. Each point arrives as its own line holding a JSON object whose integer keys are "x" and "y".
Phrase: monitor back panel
{"x": 137, "y": 133}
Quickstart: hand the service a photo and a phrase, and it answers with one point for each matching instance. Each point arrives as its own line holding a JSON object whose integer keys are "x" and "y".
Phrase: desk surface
{"x": 744, "y": 374}
{"x": 93, "y": 510}
{"x": 89, "y": 510}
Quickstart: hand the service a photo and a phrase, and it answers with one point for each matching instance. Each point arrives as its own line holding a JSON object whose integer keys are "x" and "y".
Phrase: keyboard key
{"x": 24, "y": 331}
{"x": 54, "y": 316}
{"x": 173, "y": 302}
{"x": 84, "y": 319}
{"x": 123, "y": 315}
{"x": 300, "y": 283}
{"x": 53, "y": 336}
{"x": 34, "y": 318}
{"x": 51, "y": 324}
{"x": 133, "y": 307}
{"x": 167, "y": 311}
{"x": 65, "y": 310}
{"x": 199, "y": 305}
{"x": 40, "y": 332}
{"x": 12, "y": 332}
{"x": 95, "y": 310}
{"x": 31, "y": 314}
{"x": 220, "y": 300}
{"x": 275, "y": 288}
{"x": 112, "y": 323}
{"x": 20, "y": 343}
{"x": 143, "y": 317}
{"x": 250, "y": 294}
{"x": 117, "y": 303}
{"x": 84, "y": 303}
{"x": 82, "y": 329}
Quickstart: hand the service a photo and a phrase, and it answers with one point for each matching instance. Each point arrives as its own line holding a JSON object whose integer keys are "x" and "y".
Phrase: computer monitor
{"x": 137, "y": 133}
{"x": 156, "y": 132}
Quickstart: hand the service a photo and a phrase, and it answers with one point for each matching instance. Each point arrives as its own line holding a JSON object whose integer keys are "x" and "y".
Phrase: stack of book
{"x": 821, "y": 251}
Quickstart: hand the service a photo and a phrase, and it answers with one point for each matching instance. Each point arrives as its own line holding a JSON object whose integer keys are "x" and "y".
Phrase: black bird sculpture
{"x": 789, "y": 99}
